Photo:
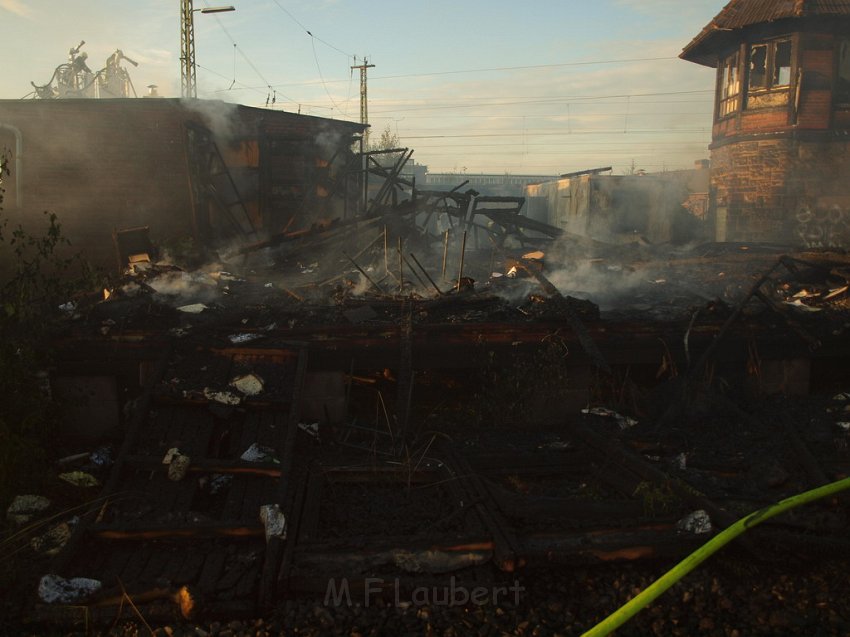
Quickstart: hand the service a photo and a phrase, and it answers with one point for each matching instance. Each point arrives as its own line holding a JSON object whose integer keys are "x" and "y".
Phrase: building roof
{"x": 739, "y": 14}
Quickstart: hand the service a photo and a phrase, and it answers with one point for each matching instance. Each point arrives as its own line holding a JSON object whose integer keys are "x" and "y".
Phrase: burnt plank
{"x": 235, "y": 495}
{"x": 135, "y": 566}
{"x": 211, "y": 571}
{"x": 190, "y": 569}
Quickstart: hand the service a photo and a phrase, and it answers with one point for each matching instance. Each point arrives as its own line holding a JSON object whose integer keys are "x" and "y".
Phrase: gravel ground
{"x": 727, "y": 598}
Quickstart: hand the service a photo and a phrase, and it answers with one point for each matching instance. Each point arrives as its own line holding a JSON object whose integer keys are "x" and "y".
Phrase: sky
{"x": 527, "y": 88}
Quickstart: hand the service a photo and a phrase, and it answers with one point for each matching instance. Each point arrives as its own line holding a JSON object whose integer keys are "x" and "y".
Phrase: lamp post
{"x": 188, "y": 83}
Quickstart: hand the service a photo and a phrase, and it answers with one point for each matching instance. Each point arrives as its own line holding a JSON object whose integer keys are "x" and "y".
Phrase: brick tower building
{"x": 780, "y": 152}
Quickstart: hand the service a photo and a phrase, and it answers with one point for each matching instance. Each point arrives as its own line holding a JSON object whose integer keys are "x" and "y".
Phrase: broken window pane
{"x": 782, "y": 64}
{"x": 731, "y": 85}
{"x": 758, "y": 66}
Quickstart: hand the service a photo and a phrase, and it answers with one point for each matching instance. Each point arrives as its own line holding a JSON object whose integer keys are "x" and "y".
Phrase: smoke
{"x": 329, "y": 140}
{"x": 181, "y": 288}
{"x": 221, "y": 118}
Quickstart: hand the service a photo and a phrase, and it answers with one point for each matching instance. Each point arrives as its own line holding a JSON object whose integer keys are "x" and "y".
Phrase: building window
{"x": 842, "y": 85}
{"x": 770, "y": 65}
{"x": 730, "y": 86}
{"x": 769, "y": 73}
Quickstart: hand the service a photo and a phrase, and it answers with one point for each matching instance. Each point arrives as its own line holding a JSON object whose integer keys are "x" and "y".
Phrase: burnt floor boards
{"x": 164, "y": 540}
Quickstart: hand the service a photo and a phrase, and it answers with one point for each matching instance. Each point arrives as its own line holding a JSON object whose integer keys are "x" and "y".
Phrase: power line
{"x": 548, "y": 100}
{"x": 527, "y": 67}
{"x": 319, "y": 69}
{"x": 619, "y": 131}
{"x": 496, "y": 68}
{"x": 244, "y": 56}
{"x": 308, "y": 32}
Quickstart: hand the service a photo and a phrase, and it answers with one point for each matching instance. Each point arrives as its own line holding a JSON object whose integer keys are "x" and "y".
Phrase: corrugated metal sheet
{"x": 738, "y": 14}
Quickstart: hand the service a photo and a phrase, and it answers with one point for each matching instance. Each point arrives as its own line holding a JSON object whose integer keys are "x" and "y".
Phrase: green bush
{"x": 34, "y": 281}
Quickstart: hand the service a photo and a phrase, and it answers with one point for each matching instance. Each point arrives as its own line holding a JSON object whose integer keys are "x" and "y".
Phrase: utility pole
{"x": 188, "y": 84}
{"x": 364, "y": 104}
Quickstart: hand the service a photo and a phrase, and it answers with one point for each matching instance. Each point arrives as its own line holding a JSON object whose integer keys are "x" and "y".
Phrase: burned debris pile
{"x": 446, "y": 387}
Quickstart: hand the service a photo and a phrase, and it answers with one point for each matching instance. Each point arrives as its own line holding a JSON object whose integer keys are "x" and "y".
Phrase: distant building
{"x": 657, "y": 207}
{"x": 781, "y": 136}
{"x": 503, "y": 185}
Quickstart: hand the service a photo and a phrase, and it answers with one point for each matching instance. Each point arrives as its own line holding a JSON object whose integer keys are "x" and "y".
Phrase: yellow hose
{"x": 635, "y": 605}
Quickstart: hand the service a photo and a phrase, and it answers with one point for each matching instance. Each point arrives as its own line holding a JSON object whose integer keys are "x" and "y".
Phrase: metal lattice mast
{"x": 189, "y": 86}
{"x": 364, "y": 102}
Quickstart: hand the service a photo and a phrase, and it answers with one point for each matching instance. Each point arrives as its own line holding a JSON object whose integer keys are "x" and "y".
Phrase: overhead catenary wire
{"x": 309, "y": 32}
{"x": 491, "y": 69}
{"x": 244, "y": 55}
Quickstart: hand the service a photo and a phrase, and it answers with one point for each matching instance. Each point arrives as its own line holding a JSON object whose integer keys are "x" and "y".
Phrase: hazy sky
{"x": 542, "y": 87}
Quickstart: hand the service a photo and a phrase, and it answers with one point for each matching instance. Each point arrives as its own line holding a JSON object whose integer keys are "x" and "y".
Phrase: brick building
{"x": 174, "y": 165}
{"x": 781, "y": 134}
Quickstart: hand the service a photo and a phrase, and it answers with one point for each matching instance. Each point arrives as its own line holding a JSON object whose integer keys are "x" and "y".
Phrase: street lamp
{"x": 189, "y": 86}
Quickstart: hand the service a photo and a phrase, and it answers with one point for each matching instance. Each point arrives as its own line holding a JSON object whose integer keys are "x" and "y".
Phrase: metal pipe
{"x": 462, "y": 254}
{"x": 445, "y": 254}
{"x": 400, "y": 268}
{"x": 425, "y": 272}
{"x": 363, "y": 272}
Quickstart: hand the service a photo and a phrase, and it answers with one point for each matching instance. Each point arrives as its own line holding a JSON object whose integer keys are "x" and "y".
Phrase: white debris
{"x": 682, "y": 461}
{"x": 802, "y": 294}
{"x": 274, "y": 521}
{"x": 194, "y": 308}
{"x": 836, "y": 292}
{"x": 51, "y": 542}
{"x": 79, "y": 479}
{"x": 258, "y": 453}
{"x": 53, "y": 589}
{"x": 237, "y": 339}
{"x": 797, "y": 303}
{"x": 536, "y": 255}
{"x": 312, "y": 429}
{"x": 69, "y": 308}
{"x": 844, "y": 396}
{"x": 25, "y": 507}
{"x": 178, "y": 467}
{"x": 178, "y": 464}
{"x": 223, "y": 397}
{"x": 697, "y": 522}
{"x": 170, "y": 455}
{"x": 249, "y": 384}
{"x": 624, "y": 421}
{"x": 844, "y": 425}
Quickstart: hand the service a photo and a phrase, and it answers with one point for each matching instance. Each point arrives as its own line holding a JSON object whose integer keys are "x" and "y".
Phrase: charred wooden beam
{"x": 478, "y": 496}
{"x": 170, "y": 531}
